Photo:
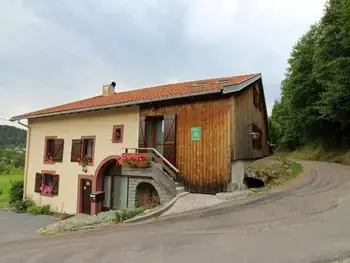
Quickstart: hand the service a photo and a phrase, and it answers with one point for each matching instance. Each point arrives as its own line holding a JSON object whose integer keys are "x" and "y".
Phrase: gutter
{"x": 225, "y": 90}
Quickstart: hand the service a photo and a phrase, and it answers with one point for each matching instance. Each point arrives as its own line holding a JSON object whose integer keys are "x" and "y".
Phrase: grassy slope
{"x": 5, "y": 185}
{"x": 319, "y": 154}
{"x": 280, "y": 169}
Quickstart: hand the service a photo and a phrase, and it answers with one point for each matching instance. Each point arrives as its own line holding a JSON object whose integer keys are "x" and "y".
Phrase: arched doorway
{"x": 110, "y": 180}
{"x": 146, "y": 196}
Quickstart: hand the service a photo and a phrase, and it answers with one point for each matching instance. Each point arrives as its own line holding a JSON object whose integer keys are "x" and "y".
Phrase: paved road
{"x": 306, "y": 222}
{"x": 20, "y": 226}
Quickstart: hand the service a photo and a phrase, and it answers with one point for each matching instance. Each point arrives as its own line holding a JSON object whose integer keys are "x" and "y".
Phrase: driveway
{"x": 304, "y": 222}
{"x": 15, "y": 227}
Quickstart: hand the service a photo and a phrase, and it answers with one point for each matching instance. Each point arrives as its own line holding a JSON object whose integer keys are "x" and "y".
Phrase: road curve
{"x": 304, "y": 222}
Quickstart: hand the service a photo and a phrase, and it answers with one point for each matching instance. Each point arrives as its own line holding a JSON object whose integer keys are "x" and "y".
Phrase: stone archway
{"x": 97, "y": 181}
{"x": 146, "y": 196}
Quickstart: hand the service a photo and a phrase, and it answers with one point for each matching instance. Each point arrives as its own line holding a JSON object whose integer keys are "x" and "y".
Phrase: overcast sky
{"x": 54, "y": 52}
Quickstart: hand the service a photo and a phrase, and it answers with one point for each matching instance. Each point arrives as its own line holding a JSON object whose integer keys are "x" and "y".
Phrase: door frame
{"x": 153, "y": 120}
{"x": 82, "y": 177}
{"x": 83, "y": 181}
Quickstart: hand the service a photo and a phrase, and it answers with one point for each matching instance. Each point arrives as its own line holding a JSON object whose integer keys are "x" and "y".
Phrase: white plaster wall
{"x": 69, "y": 127}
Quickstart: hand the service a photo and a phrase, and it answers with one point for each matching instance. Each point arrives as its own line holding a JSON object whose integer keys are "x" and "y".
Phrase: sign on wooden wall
{"x": 196, "y": 133}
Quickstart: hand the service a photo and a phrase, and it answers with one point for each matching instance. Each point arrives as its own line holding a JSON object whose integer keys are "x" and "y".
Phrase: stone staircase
{"x": 161, "y": 170}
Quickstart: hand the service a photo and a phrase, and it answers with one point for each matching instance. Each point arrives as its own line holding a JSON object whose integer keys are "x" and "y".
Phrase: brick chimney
{"x": 108, "y": 90}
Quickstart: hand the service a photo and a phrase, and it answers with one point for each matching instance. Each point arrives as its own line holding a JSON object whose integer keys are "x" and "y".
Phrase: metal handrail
{"x": 157, "y": 153}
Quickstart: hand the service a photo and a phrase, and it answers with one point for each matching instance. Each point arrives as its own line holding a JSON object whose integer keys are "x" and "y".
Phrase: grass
{"x": 275, "y": 171}
{"x": 318, "y": 153}
{"x": 5, "y": 180}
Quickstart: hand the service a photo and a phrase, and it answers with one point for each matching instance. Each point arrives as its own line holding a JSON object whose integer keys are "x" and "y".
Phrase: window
{"x": 53, "y": 151}
{"x": 118, "y": 133}
{"x": 84, "y": 147}
{"x": 46, "y": 183}
{"x": 48, "y": 179}
{"x": 256, "y": 137}
{"x": 257, "y": 98}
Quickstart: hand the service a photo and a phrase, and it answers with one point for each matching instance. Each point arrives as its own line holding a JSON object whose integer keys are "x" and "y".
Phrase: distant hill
{"x": 11, "y": 136}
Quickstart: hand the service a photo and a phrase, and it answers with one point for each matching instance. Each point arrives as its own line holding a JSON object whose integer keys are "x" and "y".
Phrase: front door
{"x": 86, "y": 191}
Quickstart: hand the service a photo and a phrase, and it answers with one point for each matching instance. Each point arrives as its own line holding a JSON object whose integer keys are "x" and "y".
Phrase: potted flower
{"x": 133, "y": 162}
{"x": 116, "y": 135}
{"x": 48, "y": 157}
{"x": 46, "y": 189}
{"x": 83, "y": 161}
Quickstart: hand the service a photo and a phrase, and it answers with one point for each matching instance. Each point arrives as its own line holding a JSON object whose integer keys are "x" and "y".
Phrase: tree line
{"x": 315, "y": 95}
{"x": 12, "y": 152}
{"x": 11, "y": 136}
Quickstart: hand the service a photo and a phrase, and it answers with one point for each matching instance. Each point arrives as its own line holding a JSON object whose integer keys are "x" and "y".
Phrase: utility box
{"x": 97, "y": 197}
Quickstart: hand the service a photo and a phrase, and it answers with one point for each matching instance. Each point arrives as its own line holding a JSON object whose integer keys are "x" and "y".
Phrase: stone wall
{"x": 164, "y": 195}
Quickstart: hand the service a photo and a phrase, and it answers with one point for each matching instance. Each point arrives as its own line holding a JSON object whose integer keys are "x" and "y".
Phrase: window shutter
{"x": 38, "y": 182}
{"x": 76, "y": 150}
{"x": 169, "y": 146}
{"x": 142, "y": 134}
{"x": 55, "y": 184}
{"x": 58, "y": 151}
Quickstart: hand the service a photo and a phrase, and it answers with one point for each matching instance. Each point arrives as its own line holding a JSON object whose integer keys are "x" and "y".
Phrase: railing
{"x": 157, "y": 157}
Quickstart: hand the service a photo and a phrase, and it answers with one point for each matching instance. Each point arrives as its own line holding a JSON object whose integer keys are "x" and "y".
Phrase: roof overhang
{"x": 225, "y": 90}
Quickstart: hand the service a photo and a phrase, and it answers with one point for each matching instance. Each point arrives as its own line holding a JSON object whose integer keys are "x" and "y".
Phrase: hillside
{"x": 12, "y": 137}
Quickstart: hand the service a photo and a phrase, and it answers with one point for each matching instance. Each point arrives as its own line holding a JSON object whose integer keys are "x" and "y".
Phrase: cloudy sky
{"x": 53, "y": 52}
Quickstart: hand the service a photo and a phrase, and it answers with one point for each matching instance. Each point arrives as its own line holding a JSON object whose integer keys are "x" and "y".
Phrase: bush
{"x": 16, "y": 192}
{"x": 1, "y": 191}
{"x": 126, "y": 214}
{"x": 34, "y": 209}
{"x": 21, "y": 206}
{"x": 4, "y": 168}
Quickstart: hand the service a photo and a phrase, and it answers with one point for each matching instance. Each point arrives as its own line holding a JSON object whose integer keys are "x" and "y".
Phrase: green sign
{"x": 196, "y": 133}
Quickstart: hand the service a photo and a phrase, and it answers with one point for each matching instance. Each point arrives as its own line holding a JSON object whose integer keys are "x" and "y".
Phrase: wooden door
{"x": 169, "y": 145}
{"x": 86, "y": 191}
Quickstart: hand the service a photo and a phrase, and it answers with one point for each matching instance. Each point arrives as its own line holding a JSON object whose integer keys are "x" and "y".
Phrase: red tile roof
{"x": 141, "y": 95}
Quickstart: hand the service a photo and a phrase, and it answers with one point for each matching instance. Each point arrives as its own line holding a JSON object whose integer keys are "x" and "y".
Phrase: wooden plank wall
{"x": 205, "y": 164}
{"x": 245, "y": 113}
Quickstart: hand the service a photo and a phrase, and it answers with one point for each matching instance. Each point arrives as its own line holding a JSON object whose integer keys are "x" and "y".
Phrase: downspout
{"x": 26, "y": 159}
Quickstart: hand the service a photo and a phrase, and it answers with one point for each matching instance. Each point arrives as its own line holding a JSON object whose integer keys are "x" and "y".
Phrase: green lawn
{"x": 5, "y": 185}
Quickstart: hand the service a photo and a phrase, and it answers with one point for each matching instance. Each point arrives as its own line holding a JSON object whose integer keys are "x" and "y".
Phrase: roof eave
{"x": 239, "y": 86}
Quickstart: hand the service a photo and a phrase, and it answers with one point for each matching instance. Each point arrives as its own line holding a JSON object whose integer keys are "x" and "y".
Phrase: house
{"x": 199, "y": 135}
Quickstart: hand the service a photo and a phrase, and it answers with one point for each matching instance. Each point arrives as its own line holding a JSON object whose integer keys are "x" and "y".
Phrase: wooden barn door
{"x": 169, "y": 144}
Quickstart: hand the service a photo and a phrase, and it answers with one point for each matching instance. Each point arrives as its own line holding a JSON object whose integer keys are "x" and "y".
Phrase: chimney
{"x": 108, "y": 90}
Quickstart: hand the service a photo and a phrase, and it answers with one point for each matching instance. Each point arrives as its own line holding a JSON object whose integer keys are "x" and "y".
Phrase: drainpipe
{"x": 26, "y": 158}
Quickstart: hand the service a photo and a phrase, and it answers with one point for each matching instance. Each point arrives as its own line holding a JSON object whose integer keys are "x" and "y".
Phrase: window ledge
{"x": 88, "y": 164}
{"x": 46, "y": 195}
{"x": 49, "y": 162}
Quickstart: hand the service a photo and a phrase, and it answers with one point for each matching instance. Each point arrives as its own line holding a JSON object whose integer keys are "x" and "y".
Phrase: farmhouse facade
{"x": 197, "y": 136}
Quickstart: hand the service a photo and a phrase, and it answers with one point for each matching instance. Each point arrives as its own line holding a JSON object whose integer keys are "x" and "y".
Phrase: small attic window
{"x": 198, "y": 84}
{"x": 222, "y": 81}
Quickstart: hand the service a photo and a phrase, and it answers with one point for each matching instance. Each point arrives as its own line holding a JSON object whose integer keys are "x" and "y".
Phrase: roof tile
{"x": 150, "y": 93}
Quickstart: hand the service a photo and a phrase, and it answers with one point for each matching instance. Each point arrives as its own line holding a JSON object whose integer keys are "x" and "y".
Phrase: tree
{"x": 315, "y": 95}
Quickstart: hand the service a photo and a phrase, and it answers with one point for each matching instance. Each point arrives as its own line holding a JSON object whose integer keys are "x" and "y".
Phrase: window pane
{"x": 50, "y": 147}
{"x": 88, "y": 146}
{"x": 48, "y": 179}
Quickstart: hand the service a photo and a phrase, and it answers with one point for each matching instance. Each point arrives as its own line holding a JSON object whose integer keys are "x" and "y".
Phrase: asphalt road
{"x": 304, "y": 222}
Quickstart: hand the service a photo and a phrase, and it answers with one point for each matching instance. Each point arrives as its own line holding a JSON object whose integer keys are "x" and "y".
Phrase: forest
{"x": 314, "y": 108}
{"x": 12, "y": 152}
{"x": 11, "y": 136}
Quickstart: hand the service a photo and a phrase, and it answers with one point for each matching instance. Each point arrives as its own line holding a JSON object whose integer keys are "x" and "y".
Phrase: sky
{"x": 54, "y": 52}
